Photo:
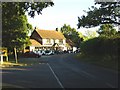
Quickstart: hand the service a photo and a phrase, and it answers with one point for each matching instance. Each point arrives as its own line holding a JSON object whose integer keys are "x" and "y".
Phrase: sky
{"x": 63, "y": 12}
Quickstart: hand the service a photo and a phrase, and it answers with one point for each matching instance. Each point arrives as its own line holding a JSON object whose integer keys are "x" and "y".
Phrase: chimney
{"x": 35, "y": 28}
{"x": 57, "y": 29}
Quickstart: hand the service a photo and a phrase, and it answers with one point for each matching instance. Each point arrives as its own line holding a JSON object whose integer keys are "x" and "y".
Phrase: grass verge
{"x": 103, "y": 61}
{"x": 11, "y": 64}
{"x": 21, "y": 62}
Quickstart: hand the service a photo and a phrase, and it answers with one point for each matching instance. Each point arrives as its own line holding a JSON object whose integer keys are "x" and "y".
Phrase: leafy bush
{"x": 102, "y": 45}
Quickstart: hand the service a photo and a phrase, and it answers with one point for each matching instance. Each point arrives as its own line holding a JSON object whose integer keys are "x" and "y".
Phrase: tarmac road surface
{"x": 59, "y": 71}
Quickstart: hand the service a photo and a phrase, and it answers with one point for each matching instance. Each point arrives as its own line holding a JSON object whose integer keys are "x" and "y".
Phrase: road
{"x": 59, "y": 71}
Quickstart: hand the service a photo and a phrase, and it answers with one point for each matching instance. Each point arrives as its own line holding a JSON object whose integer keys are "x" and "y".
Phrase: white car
{"x": 41, "y": 52}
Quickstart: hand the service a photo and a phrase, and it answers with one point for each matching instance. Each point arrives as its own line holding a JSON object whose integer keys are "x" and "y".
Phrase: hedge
{"x": 102, "y": 45}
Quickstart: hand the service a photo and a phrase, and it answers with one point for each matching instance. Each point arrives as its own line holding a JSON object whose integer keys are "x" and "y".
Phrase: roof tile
{"x": 34, "y": 43}
{"x": 50, "y": 34}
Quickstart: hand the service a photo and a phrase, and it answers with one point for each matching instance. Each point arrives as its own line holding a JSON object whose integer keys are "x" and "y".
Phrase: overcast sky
{"x": 63, "y": 12}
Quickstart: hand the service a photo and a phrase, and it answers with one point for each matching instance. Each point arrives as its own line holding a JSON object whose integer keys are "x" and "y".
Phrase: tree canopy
{"x": 107, "y": 13}
{"x": 15, "y": 32}
{"x": 107, "y": 29}
{"x": 20, "y": 8}
{"x": 72, "y": 34}
{"x": 15, "y": 26}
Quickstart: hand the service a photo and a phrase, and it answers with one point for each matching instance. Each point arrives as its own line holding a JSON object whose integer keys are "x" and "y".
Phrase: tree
{"x": 90, "y": 34}
{"x": 72, "y": 34}
{"x": 15, "y": 32}
{"x": 107, "y": 13}
{"x": 107, "y": 29}
{"x": 15, "y": 26}
{"x": 20, "y": 8}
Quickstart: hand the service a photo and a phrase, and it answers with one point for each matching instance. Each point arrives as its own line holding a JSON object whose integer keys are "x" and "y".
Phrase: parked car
{"x": 70, "y": 51}
{"x": 30, "y": 55}
{"x": 59, "y": 52}
{"x": 49, "y": 52}
{"x": 78, "y": 50}
{"x": 40, "y": 52}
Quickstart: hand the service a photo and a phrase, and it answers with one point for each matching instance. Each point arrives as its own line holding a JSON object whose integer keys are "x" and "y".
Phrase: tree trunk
{"x": 15, "y": 55}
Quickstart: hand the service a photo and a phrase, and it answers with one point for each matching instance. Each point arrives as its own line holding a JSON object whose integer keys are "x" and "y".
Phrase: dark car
{"x": 49, "y": 52}
{"x": 30, "y": 55}
{"x": 58, "y": 52}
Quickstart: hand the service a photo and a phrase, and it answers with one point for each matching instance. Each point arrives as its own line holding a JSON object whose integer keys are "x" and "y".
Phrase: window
{"x": 53, "y": 40}
{"x": 60, "y": 41}
{"x": 48, "y": 41}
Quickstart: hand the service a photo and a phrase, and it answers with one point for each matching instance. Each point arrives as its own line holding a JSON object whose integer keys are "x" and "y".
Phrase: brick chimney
{"x": 57, "y": 29}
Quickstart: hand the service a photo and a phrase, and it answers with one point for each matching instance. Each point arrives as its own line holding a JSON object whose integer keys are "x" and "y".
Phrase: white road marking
{"x": 55, "y": 76}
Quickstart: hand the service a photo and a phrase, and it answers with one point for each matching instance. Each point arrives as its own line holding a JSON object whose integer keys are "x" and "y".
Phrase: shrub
{"x": 102, "y": 45}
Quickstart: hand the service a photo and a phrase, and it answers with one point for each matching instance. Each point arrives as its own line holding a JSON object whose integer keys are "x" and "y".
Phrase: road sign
{"x": 3, "y": 52}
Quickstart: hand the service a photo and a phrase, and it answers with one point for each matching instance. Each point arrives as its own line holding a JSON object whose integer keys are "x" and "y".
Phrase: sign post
{"x": 1, "y": 58}
{"x": 3, "y": 52}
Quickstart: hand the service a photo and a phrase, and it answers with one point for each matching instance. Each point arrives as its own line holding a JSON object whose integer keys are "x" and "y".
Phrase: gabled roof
{"x": 50, "y": 34}
{"x": 34, "y": 43}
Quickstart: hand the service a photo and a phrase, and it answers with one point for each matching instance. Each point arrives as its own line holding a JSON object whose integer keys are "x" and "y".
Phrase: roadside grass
{"x": 103, "y": 61}
{"x": 29, "y": 61}
{"x": 11, "y": 64}
{"x": 21, "y": 62}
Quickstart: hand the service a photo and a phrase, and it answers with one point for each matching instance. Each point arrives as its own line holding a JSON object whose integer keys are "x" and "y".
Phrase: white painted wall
{"x": 65, "y": 48}
{"x": 74, "y": 49}
{"x": 57, "y": 41}
{"x": 52, "y": 41}
{"x": 44, "y": 41}
{"x": 32, "y": 48}
{"x": 64, "y": 41}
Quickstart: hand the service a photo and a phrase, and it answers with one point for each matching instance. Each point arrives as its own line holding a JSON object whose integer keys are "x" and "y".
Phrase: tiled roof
{"x": 50, "y": 34}
{"x": 34, "y": 43}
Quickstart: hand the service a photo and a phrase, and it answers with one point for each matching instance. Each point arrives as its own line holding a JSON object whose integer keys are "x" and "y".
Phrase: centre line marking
{"x": 55, "y": 76}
